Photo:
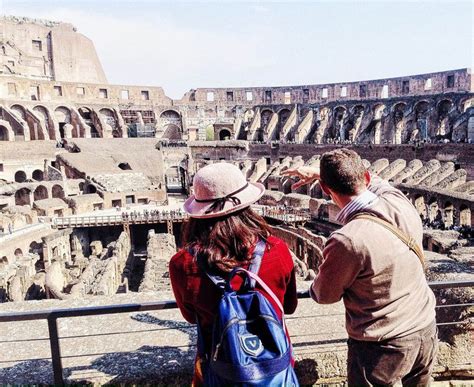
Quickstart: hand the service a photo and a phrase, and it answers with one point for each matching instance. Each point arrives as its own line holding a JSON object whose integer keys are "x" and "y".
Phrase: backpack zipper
{"x": 236, "y": 320}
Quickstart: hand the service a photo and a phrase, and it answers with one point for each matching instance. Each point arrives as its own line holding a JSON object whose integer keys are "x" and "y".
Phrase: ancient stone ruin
{"x": 93, "y": 177}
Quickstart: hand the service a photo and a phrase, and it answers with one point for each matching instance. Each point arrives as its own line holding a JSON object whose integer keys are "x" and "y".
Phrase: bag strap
{"x": 257, "y": 260}
{"x": 261, "y": 283}
{"x": 409, "y": 241}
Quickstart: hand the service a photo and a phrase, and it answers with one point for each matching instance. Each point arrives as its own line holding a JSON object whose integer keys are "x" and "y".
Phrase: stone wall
{"x": 57, "y": 247}
{"x": 160, "y": 249}
{"x": 36, "y": 48}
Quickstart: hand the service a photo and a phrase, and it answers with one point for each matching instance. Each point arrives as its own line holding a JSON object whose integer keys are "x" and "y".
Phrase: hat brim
{"x": 248, "y": 196}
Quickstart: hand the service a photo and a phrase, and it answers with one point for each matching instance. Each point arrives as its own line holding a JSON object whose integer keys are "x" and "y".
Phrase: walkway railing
{"x": 111, "y": 220}
{"x": 285, "y": 215}
{"x": 53, "y": 315}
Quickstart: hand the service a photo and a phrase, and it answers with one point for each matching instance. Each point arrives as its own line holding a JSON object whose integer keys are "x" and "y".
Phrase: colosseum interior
{"x": 93, "y": 175}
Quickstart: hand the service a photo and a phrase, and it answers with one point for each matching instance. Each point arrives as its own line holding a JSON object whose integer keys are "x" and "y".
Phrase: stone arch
{"x": 248, "y": 115}
{"x": 265, "y": 117}
{"x": 466, "y": 103}
{"x": 378, "y": 112}
{"x": 87, "y": 115}
{"x": 444, "y": 105}
{"x": 433, "y": 209}
{"x": 339, "y": 115}
{"x": 57, "y": 191}
{"x": 448, "y": 214}
{"x": 20, "y": 176}
{"x": 170, "y": 117}
{"x": 23, "y": 197}
{"x": 419, "y": 203}
{"x": 19, "y": 111}
{"x": 43, "y": 113}
{"x": 4, "y": 134}
{"x": 465, "y": 215}
{"x": 443, "y": 109}
{"x": 283, "y": 115}
{"x": 398, "y": 118}
{"x": 36, "y": 248}
{"x": 3, "y": 263}
{"x": 351, "y": 131}
{"x": 171, "y": 124}
{"x": 399, "y": 107}
{"x": 172, "y": 132}
{"x": 90, "y": 188}
{"x": 225, "y": 134}
{"x": 110, "y": 119}
{"x": 379, "y": 109}
{"x": 63, "y": 117}
{"x": 38, "y": 175}
{"x": 421, "y": 110}
{"x": 40, "y": 193}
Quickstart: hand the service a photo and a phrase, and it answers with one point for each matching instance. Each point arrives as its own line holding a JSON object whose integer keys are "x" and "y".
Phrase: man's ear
{"x": 324, "y": 188}
{"x": 368, "y": 178}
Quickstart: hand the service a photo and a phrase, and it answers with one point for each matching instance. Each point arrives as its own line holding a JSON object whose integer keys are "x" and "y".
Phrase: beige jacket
{"x": 380, "y": 280}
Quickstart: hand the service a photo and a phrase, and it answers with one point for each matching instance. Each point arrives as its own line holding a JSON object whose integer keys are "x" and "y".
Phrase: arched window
{"x": 125, "y": 166}
{"x": 20, "y": 176}
{"x": 58, "y": 191}
{"x": 38, "y": 175}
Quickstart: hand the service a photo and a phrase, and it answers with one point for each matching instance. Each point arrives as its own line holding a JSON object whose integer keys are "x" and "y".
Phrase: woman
{"x": 222, "y": 233}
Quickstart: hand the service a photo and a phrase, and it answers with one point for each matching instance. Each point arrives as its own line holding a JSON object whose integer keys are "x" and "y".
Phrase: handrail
{"x": 285, "y": 215}
{"x": 52, "y": 315}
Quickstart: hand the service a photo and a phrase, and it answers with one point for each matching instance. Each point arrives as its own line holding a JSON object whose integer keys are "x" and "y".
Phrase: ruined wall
{"x": 435, "y": 106}
{"x": 303, "y": 243}
{"x": 361, "y": 90}
{"x": 50, "y": 50}
{"x": 106, "y": 270}
{"x": 461, "y": 154}
{"x": 160, "y": 249}
{"x": 57, "y": 247}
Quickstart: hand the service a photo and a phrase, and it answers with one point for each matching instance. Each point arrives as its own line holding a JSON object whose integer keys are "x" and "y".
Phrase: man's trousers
{"x": 408, "y": 360}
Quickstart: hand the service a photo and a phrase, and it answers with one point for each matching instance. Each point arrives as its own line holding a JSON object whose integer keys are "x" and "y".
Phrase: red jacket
{"x": 196, "y": 294}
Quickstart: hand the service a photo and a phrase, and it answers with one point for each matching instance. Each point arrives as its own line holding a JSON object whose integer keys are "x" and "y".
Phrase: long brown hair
{"x": 226, "y": 242}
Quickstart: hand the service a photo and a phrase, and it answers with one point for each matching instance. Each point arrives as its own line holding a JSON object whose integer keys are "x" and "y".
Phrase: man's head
{"x": 343, "y": 173}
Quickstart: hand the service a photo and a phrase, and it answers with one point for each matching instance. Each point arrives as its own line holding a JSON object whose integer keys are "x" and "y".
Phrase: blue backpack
{"x": 249, "y": 343}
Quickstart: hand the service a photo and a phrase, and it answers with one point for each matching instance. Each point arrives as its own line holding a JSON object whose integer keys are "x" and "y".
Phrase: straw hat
{"x": 220, "y": 189}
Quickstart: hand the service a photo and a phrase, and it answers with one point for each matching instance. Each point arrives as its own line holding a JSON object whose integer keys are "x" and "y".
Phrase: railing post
{"x": 55, "y": 350}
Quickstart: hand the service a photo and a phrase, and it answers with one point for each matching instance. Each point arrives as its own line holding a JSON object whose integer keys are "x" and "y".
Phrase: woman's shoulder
{"x": 181, "y": 259}
{"x": 273, "y": 241}
{"x": 277, "y": 250}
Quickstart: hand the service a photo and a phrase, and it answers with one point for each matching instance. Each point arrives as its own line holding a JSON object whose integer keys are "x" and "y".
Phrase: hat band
{"x": 219, "y": 203}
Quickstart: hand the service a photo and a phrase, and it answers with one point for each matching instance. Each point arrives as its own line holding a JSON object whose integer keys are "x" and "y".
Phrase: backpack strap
{"x": 257, "y": 260}
{"x": 409, "y": 241}
{"x": 256, "y": 278}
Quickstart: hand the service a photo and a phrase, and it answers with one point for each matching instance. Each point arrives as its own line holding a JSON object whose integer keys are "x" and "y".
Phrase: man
{"x": 390, "y": 315}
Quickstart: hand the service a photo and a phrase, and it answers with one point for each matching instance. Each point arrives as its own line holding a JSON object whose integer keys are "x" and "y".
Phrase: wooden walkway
{"x": 286, "y": 215}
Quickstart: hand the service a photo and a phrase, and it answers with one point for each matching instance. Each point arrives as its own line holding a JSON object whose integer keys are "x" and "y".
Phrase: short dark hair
{"x": 343, "y": 171}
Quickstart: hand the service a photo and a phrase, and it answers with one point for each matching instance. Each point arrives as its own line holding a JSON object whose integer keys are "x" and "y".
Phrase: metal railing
{"x": 53, "y": 315}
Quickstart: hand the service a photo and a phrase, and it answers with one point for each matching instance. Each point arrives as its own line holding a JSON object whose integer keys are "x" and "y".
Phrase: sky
{"x": 185, "y": 45}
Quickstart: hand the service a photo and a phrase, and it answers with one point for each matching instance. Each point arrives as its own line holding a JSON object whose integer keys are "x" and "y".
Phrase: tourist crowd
{"x": 152, "y": 214}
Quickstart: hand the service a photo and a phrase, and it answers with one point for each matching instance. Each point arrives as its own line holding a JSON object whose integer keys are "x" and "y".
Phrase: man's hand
{"x": 307, "y": 175}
